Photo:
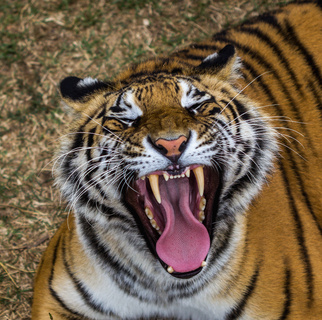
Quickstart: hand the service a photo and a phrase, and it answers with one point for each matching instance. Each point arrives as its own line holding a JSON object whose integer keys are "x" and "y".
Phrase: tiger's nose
{"x": 172, "y": 148}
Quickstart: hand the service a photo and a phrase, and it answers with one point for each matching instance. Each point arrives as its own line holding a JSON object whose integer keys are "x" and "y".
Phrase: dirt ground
{"x": 41, "y": 43}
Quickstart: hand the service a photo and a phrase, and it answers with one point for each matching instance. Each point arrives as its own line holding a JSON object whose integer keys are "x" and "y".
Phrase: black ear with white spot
{"x": 225, "y": 64}
{"x": 76, "y": 89}
{"x": 76, "y": 93}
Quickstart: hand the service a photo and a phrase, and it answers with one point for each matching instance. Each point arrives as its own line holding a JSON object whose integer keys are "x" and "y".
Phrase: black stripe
{"x": 294, "y": 165}
{"x": 300, "y": 239}
{"x": 117, "y": 108}
{"x": 292, "y": 37}
{"x": 139, "y": 92}
{"x": 52, "y": 291}
{"x": 306, "y": 197}
{"x": 256, "y": 56}
{"x": 287, "y": 294}
{"x": 242, "y": 110}
{"x": 194, "y": 57}
{"x": 240, "y": 307}
{"x": 85, "y": 201}
{"x": 102, "y": 113}
{"x": 86, "y": 296}
{"x": 226, "y": 238}
{"x": 300, "y": 236}
{"x": 240, "y": 185}
{"x": 205, "y": 47}
{"x": 67, "y": 161}
{"x": 213, "y": 111}
{"x": 117, "y": 215}
{"x": 316, "y": 94}
{"x": 90, "y": 141}
{"x": 231, "y": 108}
{"x": 221, "y": 124}
{"x": 160, "y": 72}
{"x": 125, "y": 277}
{"x": 264, "y": 38}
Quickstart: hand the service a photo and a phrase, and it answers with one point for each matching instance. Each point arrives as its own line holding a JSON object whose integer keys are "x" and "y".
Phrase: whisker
{"x": 243, "y": 90}
{"x": 111, "y": 132}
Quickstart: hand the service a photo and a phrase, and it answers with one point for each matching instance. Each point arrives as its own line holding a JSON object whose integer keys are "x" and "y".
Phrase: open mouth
{"x": 176, "y": 208}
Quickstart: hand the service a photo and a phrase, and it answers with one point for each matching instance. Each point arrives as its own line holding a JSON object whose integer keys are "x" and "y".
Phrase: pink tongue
{"x": 185, "y": 242}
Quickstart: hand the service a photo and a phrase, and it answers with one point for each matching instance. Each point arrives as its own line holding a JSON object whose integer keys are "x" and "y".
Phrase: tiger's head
{"x": 176, "y": 147}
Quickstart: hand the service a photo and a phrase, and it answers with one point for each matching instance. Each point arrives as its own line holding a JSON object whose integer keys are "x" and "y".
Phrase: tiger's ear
{"x": 75, "y": 92}
{"x": 225, "y": 64}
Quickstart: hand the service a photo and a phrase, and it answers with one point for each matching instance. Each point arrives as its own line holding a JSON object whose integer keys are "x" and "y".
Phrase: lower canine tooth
{"x": 203, "y": 263}
{"x": 154, "y": 183}
{"x": 200, "y": 179}
{"x": 170, "y": 269}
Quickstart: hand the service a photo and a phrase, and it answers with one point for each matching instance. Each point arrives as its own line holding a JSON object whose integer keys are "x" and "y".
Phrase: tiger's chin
{"x": 176, "y": 208}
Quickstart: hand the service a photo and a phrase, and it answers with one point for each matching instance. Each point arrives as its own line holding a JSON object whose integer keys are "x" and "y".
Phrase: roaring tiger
{"x": 195, "y": 182}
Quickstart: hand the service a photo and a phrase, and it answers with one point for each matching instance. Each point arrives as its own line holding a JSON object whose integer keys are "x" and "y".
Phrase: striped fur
{"x": 253, "y": 121}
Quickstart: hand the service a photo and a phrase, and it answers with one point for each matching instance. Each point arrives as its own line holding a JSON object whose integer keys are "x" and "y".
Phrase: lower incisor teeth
{"x": 170, "y": 269}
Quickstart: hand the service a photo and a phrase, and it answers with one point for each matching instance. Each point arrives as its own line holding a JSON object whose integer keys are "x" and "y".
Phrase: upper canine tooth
{"x": 154, "y": 183}
{"x": 166, "y": 176}
{"x": 200, "y": 179}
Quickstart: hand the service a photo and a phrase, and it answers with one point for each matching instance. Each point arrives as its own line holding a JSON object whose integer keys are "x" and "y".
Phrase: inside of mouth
{"x": 182, "y": 240}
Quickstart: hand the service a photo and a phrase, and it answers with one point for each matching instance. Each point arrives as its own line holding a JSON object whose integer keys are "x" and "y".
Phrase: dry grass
{"x": 42, "y": 42}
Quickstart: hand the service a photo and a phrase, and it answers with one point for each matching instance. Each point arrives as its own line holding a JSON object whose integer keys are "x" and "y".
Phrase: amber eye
{"x": 195, "y": 108}
{"x": 129, "y": 122}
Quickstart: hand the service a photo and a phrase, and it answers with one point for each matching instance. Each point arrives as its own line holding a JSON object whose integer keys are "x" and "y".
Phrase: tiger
{"x": 194, "y": 182}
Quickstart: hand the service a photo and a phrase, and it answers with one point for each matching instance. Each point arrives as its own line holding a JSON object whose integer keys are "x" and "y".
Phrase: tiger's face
{"x": 181, "y": 154}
